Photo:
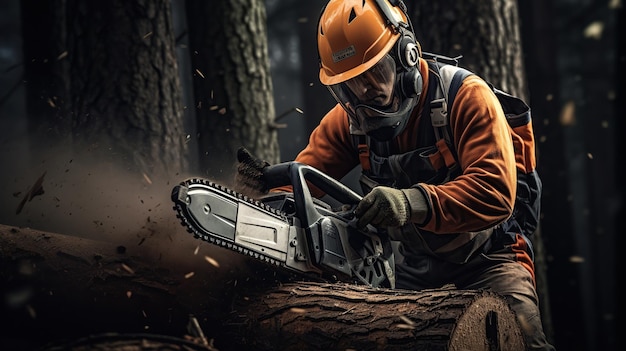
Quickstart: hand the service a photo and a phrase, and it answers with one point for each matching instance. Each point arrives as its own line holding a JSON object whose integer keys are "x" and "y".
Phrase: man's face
{"x": 372, "y": 101}
{"x": 374, "y": 87}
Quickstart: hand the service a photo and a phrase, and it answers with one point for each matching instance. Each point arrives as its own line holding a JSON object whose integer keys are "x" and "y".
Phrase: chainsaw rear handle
{"x": 297, "y": 174}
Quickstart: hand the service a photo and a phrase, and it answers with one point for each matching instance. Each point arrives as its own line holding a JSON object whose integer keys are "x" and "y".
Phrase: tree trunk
{"x": 494, "y": 48}
{"x": 232, "y": 83}
{"x": 61, "y": 287}
{"x": 107, "y": 77}
{"x": 125, "y": 83}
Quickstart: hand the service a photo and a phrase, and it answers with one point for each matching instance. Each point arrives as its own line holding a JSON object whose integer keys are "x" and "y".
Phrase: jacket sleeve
{"x": 330, "y": 148}
{"x": 483, "y": 195}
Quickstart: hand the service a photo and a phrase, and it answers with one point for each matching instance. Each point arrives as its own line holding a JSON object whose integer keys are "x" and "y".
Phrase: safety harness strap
{"x": 364, "y": 152}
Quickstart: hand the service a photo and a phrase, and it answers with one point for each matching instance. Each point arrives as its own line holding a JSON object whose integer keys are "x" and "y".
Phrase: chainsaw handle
{"x": 294, "y": 173}
{"x": 297, "y": 175}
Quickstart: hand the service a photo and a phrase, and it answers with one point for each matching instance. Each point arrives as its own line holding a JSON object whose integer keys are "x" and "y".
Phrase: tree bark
{"x": 493, "y": 49}
{"x": 125, "y": 84}
{"x": 232, "y": 83}
{"x": 62, "y": 287}
{"x": 107, "y": 79}
{"x": 320, "y": 316}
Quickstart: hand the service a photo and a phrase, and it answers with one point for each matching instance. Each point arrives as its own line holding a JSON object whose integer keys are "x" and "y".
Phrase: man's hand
{"x": 383, "y": 207}
{"x": 250, "y": 179}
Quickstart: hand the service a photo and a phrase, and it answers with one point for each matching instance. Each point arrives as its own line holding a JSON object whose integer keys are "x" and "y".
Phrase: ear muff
{"x": 411, "y": 82}
{"x": 408, "y": 52}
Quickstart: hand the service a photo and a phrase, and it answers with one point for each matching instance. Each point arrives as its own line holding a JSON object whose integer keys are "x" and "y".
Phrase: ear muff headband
{"x": 408, "y": 50}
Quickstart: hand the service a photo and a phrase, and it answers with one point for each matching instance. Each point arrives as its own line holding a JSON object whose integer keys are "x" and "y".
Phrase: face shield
{"x": 373, "y": 100}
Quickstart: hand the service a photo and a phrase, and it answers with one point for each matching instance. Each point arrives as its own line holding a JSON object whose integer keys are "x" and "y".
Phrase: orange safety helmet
{"x": 352, "y": 37}
{"x": 356, "y": 38}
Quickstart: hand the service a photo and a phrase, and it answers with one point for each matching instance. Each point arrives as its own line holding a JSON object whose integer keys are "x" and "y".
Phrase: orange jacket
{"x": 481, "y": 197}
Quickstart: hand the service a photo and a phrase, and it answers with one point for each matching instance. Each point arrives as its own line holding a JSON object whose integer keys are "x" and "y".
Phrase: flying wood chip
{"x": 36, "y": 189}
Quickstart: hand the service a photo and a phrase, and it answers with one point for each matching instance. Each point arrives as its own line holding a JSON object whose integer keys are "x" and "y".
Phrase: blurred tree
{"x": 105, "y": 74}
{"x": 317, "y": 98}
{"x": 493, "y": 49}
{"x": 232, "y": 83}
{"x": 574, "y": 94}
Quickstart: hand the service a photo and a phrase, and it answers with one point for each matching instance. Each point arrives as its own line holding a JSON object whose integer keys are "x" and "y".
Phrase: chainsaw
{"x": 292, "y": 231}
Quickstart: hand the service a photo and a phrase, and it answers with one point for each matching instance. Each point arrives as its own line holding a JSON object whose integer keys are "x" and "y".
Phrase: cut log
{"x": 58, "y": 287}
{"x": 317, "y": 316}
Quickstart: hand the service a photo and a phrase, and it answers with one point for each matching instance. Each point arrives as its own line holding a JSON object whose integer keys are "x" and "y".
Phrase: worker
{"x": 453, "y": 225}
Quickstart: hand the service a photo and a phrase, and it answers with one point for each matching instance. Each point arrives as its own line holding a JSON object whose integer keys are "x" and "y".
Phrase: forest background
{"x": 142, "y": 85}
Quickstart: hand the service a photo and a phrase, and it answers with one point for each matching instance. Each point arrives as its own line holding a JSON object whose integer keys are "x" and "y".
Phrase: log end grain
{"x": 488, "y": 323}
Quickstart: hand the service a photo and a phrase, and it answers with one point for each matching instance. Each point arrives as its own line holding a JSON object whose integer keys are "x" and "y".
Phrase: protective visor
{"x": 371, "y": 96}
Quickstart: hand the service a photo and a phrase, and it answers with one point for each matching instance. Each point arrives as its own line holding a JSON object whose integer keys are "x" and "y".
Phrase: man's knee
{"x": 529, "y": 319}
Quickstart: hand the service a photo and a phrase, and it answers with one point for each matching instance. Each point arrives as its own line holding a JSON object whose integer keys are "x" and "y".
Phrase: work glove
{"x": 383, "y": 207}
{"x": 389, "y": 207}
{"x": 249, "y": 179}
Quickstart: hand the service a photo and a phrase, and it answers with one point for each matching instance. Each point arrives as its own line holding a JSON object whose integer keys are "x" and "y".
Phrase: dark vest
{"x": 424, "y": 164}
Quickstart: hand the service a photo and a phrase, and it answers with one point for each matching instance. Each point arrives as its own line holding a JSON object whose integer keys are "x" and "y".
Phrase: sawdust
{"x": 97, "y": 198}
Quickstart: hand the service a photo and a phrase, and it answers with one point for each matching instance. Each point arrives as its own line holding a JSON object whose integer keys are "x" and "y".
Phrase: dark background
{"x": 574, "y": 57}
